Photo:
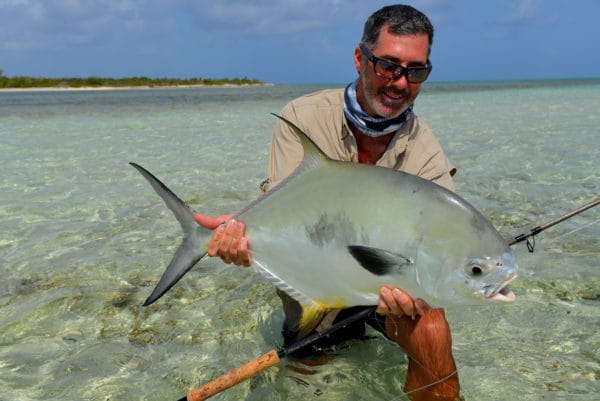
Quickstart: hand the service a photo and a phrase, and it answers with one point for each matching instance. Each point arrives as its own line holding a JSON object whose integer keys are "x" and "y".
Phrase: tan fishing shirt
{"x": 413, "y": 149}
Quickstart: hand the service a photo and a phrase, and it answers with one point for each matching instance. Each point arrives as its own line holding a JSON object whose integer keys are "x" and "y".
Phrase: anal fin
{"x": 311, "y": 317}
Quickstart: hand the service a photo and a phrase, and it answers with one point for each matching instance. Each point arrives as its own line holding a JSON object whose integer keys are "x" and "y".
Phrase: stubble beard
{"x": 375, "y": 96}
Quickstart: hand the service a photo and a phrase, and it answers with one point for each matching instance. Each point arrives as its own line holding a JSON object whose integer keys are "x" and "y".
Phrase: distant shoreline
{"x": 21, "y": 83}
{"x": 429, "y": 87}
{"x": 110, "y": 88}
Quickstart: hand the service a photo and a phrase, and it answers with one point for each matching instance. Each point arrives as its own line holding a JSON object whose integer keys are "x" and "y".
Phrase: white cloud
{"x": 34, "y": 24}
{"x": 55, "y": 24}
{"x": 259, "y": 17}
{"x": 523, "y": 10}
{"x": 528, "y": 12}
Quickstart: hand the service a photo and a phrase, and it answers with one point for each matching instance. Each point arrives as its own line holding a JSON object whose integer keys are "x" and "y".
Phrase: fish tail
{"x": 195, "y": 237}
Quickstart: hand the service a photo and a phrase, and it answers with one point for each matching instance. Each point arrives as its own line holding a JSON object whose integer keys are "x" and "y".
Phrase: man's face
{"x": 382, "y": 97}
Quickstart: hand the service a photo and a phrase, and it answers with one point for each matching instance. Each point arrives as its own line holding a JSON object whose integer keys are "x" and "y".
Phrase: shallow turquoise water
{"x": 83, "y": 240}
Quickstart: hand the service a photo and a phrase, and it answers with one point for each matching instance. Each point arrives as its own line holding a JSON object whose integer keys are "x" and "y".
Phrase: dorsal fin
{"x": 313, "y": 156}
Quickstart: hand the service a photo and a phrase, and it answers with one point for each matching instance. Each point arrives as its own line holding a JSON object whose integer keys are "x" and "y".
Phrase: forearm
{"x": 432, "y": 377}
{"x": 432, "y": 374}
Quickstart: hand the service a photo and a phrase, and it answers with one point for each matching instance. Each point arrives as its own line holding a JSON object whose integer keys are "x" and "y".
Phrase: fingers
{"x": 244, "y": 253}
{"x": 213, "y": 244}
{"x": 229, "y": 242}
{"x": 394, "y": 301}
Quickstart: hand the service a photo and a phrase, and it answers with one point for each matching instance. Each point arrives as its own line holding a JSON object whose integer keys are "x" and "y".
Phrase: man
{"x": 371, "y": 122}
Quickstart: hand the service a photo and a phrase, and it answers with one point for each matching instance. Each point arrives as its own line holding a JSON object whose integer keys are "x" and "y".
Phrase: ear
{"x": 358, "y": 59}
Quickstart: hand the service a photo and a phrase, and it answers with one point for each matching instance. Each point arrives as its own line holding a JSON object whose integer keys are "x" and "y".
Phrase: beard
{"x": 383, "y": 101}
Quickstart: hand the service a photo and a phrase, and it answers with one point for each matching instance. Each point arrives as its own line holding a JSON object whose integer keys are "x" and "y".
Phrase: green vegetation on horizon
{"x": 31, "y": 82}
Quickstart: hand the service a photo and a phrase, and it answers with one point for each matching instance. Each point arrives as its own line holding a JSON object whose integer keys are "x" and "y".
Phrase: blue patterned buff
{"x": 368, "y": 125}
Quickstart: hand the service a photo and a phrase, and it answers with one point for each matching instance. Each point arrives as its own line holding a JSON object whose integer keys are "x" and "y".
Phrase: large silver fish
{"x": 334, "y": 232}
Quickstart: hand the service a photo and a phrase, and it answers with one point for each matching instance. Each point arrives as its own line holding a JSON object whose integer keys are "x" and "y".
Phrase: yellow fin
{"x": 311, "y": 317}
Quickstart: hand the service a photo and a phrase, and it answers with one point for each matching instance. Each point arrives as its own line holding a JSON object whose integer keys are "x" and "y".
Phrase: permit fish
{"x": 334, "y": 232}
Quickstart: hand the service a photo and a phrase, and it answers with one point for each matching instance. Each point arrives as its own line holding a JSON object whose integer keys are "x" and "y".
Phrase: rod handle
{"x": 234, "y": 376}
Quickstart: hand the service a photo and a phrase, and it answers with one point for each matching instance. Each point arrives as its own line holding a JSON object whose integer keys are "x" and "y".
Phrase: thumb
{"x": 211, "y": 222}
{"x": 422, "y": 307}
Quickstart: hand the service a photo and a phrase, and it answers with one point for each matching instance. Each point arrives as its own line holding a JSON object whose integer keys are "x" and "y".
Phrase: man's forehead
{"x": 411, "y": 46}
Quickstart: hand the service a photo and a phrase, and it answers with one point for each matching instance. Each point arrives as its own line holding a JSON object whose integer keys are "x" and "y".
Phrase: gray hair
{"x": 400, "y": 19}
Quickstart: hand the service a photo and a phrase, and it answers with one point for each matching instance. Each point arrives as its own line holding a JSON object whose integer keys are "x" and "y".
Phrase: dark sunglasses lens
{"x": 386, "y": 69}
{"x": 418, "y": 74}
{"x": 389, "y": 70}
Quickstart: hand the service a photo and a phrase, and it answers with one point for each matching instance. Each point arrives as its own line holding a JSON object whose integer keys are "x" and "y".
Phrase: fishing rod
{"x": 534, "y": 231}
{"x": 267, "y": 360}
{"x": 273, "y": 357}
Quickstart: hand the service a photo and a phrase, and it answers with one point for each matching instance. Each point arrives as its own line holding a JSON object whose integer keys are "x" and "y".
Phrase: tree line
{"x": 33, "y": 82}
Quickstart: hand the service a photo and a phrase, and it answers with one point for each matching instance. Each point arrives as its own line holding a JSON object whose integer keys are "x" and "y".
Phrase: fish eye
{"x": 476, "y": 270}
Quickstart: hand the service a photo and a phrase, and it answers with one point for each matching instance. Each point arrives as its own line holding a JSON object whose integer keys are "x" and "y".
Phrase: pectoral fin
{"x": 379, "y": 261}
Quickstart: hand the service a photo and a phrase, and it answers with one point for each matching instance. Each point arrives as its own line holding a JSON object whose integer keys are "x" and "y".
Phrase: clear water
{"x": 83, "y": 240}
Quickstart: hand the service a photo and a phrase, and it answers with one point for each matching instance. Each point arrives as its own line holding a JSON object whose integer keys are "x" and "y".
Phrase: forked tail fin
{"x": 195, "y": 237}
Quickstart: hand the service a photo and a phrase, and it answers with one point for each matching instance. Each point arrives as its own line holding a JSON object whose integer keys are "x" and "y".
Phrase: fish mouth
{"x": 503, "y": 293}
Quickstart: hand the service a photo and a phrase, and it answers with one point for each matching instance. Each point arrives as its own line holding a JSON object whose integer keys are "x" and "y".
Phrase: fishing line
{"x": 438, "y": 381}
{"x": 435, "y": 382}
{"x": 574, "y": 231}
{"x": 529, "y": 236}
{"x": 443, "y": 379}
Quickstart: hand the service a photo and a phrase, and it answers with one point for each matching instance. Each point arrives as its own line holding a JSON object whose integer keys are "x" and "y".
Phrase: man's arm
{"x": 423, "y": 334}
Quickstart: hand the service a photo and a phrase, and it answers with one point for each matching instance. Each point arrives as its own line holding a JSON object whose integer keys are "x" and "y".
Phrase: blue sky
{"x": 293, "y": 41}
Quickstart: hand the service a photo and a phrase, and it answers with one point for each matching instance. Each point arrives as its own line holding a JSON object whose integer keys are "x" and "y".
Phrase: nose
{"x": 400, "y": 82}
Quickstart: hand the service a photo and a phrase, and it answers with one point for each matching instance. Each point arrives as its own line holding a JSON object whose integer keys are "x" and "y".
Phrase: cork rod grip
{"x": 234, "y": 376}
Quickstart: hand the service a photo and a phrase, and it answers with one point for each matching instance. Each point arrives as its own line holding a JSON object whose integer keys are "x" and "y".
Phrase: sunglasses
{"x": 388, "y": 70}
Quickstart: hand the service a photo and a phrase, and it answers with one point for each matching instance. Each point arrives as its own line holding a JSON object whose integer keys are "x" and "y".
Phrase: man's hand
{"x": 228, "y": 241}
{"x": 395, "y": 302}
{"x": 424, "y": 334}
